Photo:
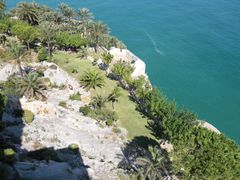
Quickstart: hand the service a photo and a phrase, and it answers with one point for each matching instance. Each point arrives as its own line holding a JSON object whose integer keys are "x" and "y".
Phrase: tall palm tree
{"x": 17, "y": 52}
{"x": 2, "y": 5}
{"x": 66, "y": 11}
{"x": 86, "y": 16}
{"x": 114, "y": 96}
{"x": 92, "y": 80}
{"x": 27, "y": 12}
{"x": 107, "y": 59}
{"x": 31, "y": 86}
{"x": 48, "y": 32}
{"x": 98, "y": 30}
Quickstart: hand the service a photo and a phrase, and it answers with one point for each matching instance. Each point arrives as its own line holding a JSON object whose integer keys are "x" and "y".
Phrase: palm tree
{"x": 66, "y": 11}
{"x": 17, "y": 52}
{"x": 2, "y": 5}
{"x": 51, "y": 16}
{"x": 86, "y": 16}
{"x": 27, "y": 12}
{"x": 107, "y": 59}
{"x": 92, "y": 79}
{"x": 114, "y": 96}
{"x": 98, "y": 101}
{"x": 98, "y": 30}
{"x": 155, "y": 165}
{"x": 31, "y": 86}
{"x": 48, "y": 32}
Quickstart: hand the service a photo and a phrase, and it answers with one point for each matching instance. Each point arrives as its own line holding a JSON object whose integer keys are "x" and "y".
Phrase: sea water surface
{"x": 191, "y": 48}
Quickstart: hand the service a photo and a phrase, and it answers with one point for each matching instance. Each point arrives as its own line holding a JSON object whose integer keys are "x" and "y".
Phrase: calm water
{"x": 191, "y": 48}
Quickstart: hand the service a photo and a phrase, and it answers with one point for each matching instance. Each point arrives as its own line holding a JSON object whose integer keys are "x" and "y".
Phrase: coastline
{"x": 140, "y": 70}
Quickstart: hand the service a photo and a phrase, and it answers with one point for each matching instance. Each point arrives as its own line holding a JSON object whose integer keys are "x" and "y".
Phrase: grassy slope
{"x": 125, "y": 108}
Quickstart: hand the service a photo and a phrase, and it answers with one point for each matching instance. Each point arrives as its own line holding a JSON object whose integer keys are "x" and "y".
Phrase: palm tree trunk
{"x": 113, "y": 106}
{"x": 49, "y": 49}
{"x": 20, "y": 67}
{"x": 29, "y": 49}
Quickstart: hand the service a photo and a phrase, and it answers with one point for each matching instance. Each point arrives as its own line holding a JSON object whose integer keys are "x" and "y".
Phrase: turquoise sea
{"x": 191, "y": 48}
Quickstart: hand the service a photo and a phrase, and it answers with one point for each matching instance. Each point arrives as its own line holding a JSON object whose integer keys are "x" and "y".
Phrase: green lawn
{"x": 129, "y": 118}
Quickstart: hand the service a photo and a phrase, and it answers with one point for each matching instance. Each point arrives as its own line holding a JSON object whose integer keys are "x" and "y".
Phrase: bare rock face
{"x": 6, "y": 71}
{"x": 39, "y": 107}
{"x": 56, "y": 127}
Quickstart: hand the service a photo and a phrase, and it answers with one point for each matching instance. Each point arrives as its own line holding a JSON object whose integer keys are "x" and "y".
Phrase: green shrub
{"x": 63, "y": 104}
{"x": 9, "y": 155}
{"x": 28, "y": 116}
{"x": 105, "y": 115}
{"x": 110, "y": 122}
{"x": 116, "y": 130}
{"x": 74, "y": 71}
{"x": 85, "y": 110}
{"x": 42, "y": 54}
{"x": 74, "y": 148}
{"x": 76, "y": 97}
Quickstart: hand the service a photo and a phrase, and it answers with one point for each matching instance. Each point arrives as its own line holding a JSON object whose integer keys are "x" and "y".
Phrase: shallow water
{"x": 191, "y": 48}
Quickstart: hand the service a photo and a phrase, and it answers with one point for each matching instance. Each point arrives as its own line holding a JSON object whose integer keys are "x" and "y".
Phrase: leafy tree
{"x": 85, "y": 16}
{"x": 114, "y": 96}
{"x": 31, "y": 86}
{"x": 66, "y": 40}
{"x": 27, "y": 12}
{"x": 98, "y": 31}
{"x": 42, "y": 54}
{"x": 25, "y": 33}
{"x": 17, "y": 52}
{"x": 47, "y": 34}
{"x": 91, "y": 80}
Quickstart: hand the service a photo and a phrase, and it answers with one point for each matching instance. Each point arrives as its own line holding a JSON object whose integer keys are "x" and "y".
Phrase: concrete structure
{"x": 126, "y": 55}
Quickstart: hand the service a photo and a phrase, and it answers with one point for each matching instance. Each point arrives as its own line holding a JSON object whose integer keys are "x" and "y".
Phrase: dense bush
{"x": 65, "y": 41}
{"x": 8, "y": 155}
{"x": 42, "y": 54}
{"x": 28, "y": 116}
{"x": 85, "y": 110}
{"x": 74, "y": 148}
{"x": 198, "y": 153}
{"x": 63, "y": 104}
{"x": 105, "y": 115}
{"x": 76, "y": 97}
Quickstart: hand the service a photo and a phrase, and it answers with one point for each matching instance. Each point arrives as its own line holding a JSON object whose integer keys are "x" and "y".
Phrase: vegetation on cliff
{"x": 67, "y": 36}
